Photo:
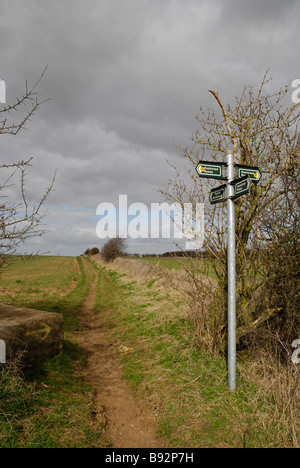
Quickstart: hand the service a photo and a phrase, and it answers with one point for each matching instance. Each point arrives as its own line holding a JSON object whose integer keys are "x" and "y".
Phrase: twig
{"x": 193, "y": 381}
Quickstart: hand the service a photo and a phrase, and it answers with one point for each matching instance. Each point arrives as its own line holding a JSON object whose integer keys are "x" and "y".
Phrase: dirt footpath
{"x": 126, "y": 422}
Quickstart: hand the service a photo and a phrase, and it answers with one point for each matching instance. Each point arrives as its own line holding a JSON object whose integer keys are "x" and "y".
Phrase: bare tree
{"x": 262, "y": 131}
{"x": 18, "y": 220}
{"x": 113, "y": 249}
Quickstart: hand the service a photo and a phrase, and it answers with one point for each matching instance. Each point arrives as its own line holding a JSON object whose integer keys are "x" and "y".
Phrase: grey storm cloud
{"x": 126, "y": 79}
{"x": 265, "y": 11}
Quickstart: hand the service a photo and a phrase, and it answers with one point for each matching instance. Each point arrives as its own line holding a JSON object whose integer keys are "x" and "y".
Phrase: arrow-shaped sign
{"x": 46, "y": 330}
{"x": 252, "y": 171}
{"x": 211, "y": 170}
{"x": 241, "y": 186}
{"x": 218, "y": 194}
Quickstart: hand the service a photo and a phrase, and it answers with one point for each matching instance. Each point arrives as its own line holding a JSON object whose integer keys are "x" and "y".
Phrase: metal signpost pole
{"x": 233, "y": 189}
{"x": 2, "y": 343}
{"x": 231, "y": 277}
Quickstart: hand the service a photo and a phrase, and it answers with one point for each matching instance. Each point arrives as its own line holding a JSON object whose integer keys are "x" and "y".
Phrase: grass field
{"x": 39, "y": 276}
{"x": 203, "y": 265}
{"x": 50, "y": 405}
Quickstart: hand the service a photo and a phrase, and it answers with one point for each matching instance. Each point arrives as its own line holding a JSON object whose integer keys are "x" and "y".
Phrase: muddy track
{"x": 125, "y": 422}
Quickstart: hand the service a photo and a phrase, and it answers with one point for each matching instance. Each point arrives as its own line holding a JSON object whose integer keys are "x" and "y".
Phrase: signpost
{"x": 231, "y": 275}
{"x": 233, "y": 189}
{"x": 253, "y": 172}
{"x": 2, "y": 343}
{"x": 218, "y": 194}
{"x": 211, "y": 170}
{"x": 241, "y": 186}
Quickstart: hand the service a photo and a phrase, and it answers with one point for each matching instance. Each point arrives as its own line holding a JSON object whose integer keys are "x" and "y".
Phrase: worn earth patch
{"x": 122, "y": 417}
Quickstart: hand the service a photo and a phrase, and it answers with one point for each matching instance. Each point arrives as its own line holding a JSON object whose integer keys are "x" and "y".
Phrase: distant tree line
{"x": 116, "y": 248}
{"x": 111, "y": 250}
{"x": 174, "y": 254}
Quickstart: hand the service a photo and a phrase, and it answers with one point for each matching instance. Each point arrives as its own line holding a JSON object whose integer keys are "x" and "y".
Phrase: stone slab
{"x": 32, "y": 335}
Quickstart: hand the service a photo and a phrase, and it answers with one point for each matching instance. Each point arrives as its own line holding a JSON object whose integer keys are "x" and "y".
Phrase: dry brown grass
{"x": 161, "y": 280}
{"x": 140, "y": 271}
{"x": 278, "y": 387}
{"x": 274, "y": 420}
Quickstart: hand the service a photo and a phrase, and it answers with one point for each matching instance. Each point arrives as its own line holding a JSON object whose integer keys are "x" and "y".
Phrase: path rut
{"x": 125, "y": 420}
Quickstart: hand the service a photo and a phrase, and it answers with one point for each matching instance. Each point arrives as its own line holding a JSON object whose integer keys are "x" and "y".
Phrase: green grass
{"x": 49, "y": 408}
{"x": 41, "y": 272}
{"x": 203, "y": 265}
{"x": 187, "y": 388}
{"x": 170, "y": 263}
{"x": 49, "y": 405}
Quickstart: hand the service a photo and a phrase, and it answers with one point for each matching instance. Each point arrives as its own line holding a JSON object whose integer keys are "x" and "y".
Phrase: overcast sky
{"x": 126, "y": 79}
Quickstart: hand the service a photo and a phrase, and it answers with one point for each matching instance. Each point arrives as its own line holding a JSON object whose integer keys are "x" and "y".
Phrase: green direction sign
{"x": 211, "y": 170}
{"x": 241, "y": 186}
{"x": 253, "y": 172}
{"x": 218, "y": 194}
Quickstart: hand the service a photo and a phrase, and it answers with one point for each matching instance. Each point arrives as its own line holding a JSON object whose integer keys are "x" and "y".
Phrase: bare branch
{"x": 19, "y": 221}
{"x": 28, "y": 96}
{"x": 264, "y": 133}
{"x": 231, "y": 133}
